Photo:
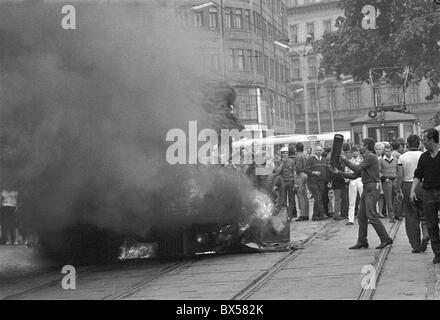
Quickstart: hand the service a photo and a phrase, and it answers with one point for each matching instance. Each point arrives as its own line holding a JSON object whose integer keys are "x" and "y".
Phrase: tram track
{"x": 149, "y": 273}
{"x": 379, "y": 264}
{"x": 163, "y": 271}
{"x": 48, "y": 284}
{"x": 267, "y": 275}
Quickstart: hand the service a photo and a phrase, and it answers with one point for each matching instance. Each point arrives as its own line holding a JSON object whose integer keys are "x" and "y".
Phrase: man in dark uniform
{"x": 287, "y": 168}
{"x": 428, "y": 172}
{"x": 317, "y": 172}
{"x": 368, "y": 169}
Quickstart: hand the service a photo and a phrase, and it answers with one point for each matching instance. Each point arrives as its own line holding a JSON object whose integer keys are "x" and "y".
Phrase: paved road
{"x": 408, "y": 275}
{"x": 325, "y": 269}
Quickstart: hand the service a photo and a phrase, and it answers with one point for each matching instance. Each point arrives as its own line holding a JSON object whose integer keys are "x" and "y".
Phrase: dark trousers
{"x": 413, "y": 219}
{"x": 301, "y": 192}
{"x": 289, "y": 200}
{"x": 431, "y": 205}
{"x": 317, "y": 188}
{"x": 391, "y": 201}
{"x": 344, "y": 200}
{"x": 367, "y": 211}
{"x": 325, "y": 199}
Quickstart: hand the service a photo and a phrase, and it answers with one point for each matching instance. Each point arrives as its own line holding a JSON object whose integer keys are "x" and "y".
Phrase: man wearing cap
{"x": 287, "y": 168}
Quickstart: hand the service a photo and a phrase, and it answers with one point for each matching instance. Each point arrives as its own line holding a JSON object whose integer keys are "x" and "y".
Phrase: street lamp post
{"x": 305, "y": 73}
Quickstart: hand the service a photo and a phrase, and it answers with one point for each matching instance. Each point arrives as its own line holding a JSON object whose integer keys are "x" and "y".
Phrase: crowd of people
{"x": 374, "y": 181}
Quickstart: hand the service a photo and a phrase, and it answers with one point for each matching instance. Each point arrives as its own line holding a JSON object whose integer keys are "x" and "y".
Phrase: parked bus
{"x": 309, "y": 141}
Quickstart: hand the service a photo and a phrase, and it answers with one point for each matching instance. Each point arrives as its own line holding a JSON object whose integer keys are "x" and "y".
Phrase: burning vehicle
{"x": 84, "y": 116}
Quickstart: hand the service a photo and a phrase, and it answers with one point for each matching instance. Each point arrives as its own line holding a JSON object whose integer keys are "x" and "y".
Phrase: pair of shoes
{"x": 436, "y": 260}
{"x": 302, "y": 219}
{"x": 398, "y": 218}
{"x": 338, "y": 218}
{"x": 349, "y": 223}
{"x": 358, "y": 246}
{"x": 16, "y": 242}
{"x": 424, "y": 245}
{"x": 416, "y": 251}
{"x": 385, "y": 244}
{"x": 392, "y": 220}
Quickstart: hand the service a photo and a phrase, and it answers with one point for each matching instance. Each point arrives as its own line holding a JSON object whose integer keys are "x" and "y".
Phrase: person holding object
{"x": 428, "y": 172}
{"x": 368, "y": 169}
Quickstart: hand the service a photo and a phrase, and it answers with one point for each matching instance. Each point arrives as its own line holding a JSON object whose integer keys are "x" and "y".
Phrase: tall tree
{"x": 407, "y": 34}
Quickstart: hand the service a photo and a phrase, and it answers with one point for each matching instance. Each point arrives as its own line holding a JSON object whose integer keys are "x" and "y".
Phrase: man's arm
{"x": 368, "y": 160}
{"x": 412, "y": 195}
{"x": 418, "y": 177}
{"x": 399, "y": 178}
{"x": 351, "y": 176}
{"x": 308, "y": 168}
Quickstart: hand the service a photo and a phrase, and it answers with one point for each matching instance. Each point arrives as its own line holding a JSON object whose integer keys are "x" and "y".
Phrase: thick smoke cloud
{"x": 84, "y": 115}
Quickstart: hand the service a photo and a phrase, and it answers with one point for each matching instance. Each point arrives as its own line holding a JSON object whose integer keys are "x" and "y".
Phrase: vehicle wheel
{"x": 274, "y": 188}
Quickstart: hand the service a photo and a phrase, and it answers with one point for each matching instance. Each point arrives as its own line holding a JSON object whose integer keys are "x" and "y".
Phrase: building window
{"x": 353, "y": 96}
{"x": 248, "y": 61}
{"x": 247, "y": 103}
{"x": 238, "y": 18}
{"x": 313, "y": 96}
{"x": 272, "y": 69}
{"x": 264, "y": 30}
{"x": 327, "y": 26}
{"x": 247, "y": 20}
{"x": 266, "y": 64}
{"x": 310, "y": 28}
{"x": 228, "y": 18}
{"x": 255, "y": 24}
{"x": 331, "y": 98}
{"x": 198, "y": 19}
{"x": 296, "y": 68}
{"x": 213, "y": 18}
{"x": 395, "y": 95}
{"x": 230, "y": 59}
{"x": 270, "y": 34}
{"x": 298, "y": 100}
{"x": 259, "y": 62}
{"x": 240, "y": 59}
{"x": 312, "y": 67}
{"x": 293, "y": 29}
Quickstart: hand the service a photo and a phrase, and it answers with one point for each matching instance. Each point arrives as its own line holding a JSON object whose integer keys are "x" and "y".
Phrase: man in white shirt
{"x": 413, "y": 211}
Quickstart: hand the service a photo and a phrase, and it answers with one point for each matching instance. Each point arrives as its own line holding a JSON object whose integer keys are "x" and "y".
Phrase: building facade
{"x": 322, "y": 104}
{"x": 238, "y": 46}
